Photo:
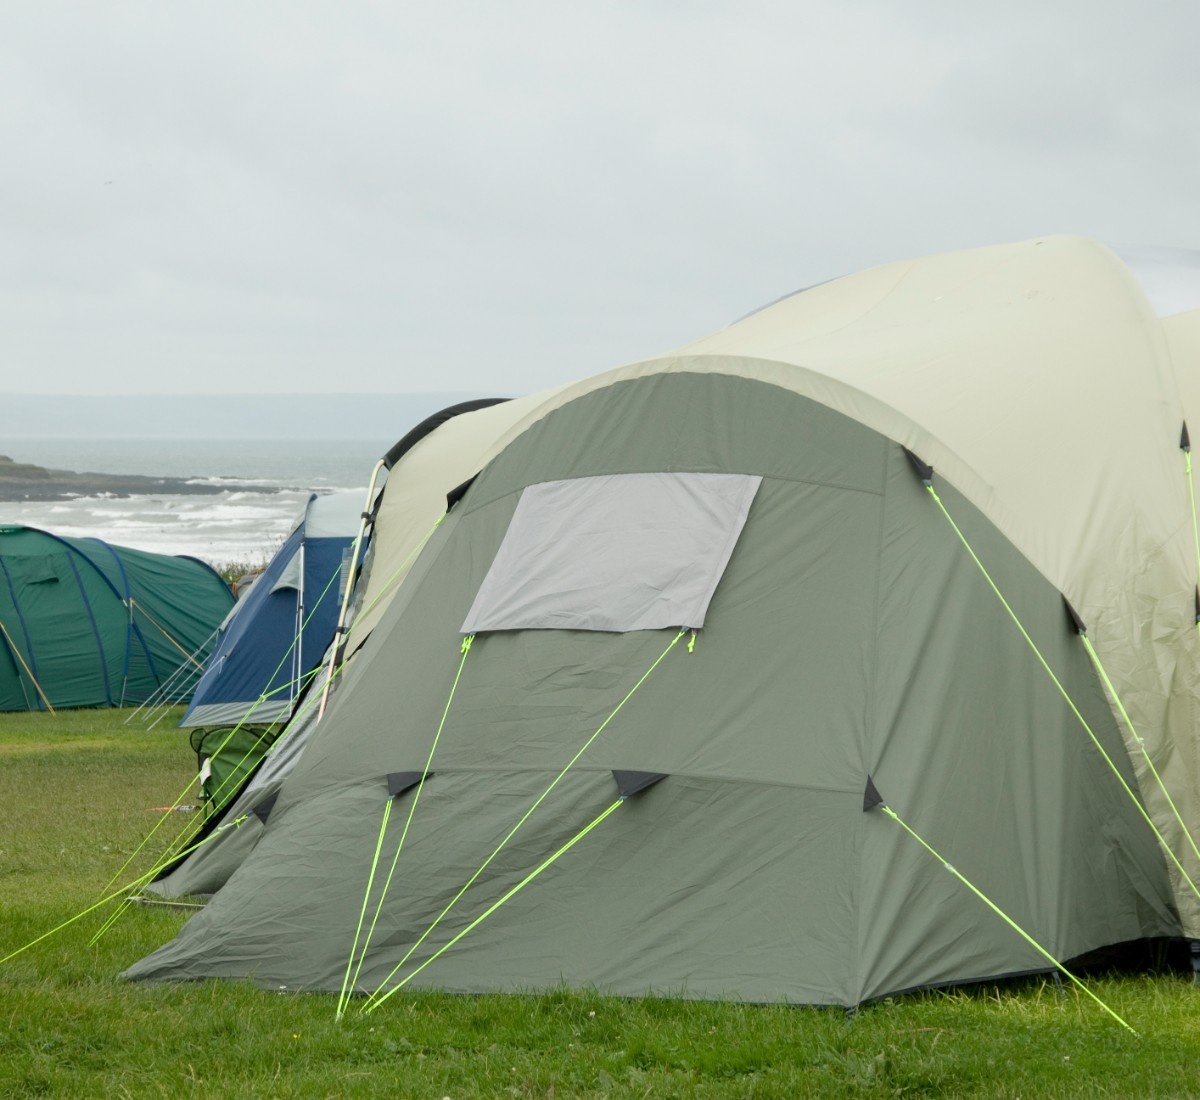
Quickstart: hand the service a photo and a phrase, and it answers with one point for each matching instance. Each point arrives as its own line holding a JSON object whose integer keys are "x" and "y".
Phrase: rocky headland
{"x": 25, "y": 481}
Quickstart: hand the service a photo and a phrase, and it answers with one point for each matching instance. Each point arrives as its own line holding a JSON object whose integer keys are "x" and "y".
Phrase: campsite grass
{"x": 78, "y": 792}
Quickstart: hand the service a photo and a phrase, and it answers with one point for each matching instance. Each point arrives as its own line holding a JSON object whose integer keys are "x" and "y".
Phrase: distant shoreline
{"x": 24, "y": 481}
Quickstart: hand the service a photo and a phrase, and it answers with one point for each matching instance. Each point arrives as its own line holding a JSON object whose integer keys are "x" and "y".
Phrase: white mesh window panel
{"x": 618, "y": 552}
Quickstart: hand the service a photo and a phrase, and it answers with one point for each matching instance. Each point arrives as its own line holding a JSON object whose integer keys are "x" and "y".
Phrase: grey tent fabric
{"x": 618, "y": 552}
{"x": 866, "y": 631}
{"x": 849, "y": 637}
{"x": 285, "y": 751}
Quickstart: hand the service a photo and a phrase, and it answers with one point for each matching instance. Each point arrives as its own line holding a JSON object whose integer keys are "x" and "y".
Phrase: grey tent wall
{"x": 850, "y": 637}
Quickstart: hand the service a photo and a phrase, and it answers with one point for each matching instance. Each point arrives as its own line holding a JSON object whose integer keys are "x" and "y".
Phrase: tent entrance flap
{"x": 616, "y": 552}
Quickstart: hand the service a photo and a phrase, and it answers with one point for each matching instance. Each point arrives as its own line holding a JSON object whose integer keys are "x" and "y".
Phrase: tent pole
{"x": 163, "y": 631}
{"x": 298, "y": 624}
{"x": 340, "y": 629}
{"x": 28, "y": 671}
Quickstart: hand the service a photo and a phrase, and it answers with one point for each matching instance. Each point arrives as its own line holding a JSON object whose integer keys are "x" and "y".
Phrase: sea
{"x": 241, "y": 523}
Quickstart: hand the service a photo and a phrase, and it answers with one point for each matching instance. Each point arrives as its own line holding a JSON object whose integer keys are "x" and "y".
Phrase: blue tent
{"x": 277, "y": 633}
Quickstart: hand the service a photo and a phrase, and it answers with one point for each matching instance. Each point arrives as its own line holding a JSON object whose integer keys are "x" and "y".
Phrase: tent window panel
{"x": 615, "y": 553}
{"x": 290, "y": 576}
{"x": 39, "y": 570}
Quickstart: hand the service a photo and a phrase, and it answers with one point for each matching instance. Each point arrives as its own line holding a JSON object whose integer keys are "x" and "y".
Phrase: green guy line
{"x": 412, "y": 809}
{"x": 1141, "y": 744}
{"x": 1195, "y": 527}
{"x": 375, "y": 1001}
{"x": 303, "y": 680}
{"x": 162, "y": 691}
{"x": 1063, "y": 692}
{"x": 528, "y": 813}
{"x": 1000, "y": 913}
{"x": 344, "y": 995}
{"x": 300, "y": 714}
{"x": 113, "y": 917}
{"x": 241, "y": 722}
{"x": 116, "y": 894}
{"x": 178, "y": 801}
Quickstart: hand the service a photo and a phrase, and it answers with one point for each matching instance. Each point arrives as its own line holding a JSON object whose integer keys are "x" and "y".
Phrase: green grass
{"x": 78, "y": 793}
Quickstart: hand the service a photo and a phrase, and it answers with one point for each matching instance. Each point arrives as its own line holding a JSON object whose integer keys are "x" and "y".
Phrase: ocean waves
{"x": 258, "y": 492}
{"x": 223, "y": 528}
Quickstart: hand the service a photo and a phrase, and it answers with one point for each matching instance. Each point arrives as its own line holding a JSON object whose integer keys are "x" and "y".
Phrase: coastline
{"x": 24, "y": 481}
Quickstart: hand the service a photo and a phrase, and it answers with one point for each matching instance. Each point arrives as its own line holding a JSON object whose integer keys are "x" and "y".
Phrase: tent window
{"x": 38, "y": 570}
{"x": 290, "y": 576}
{"x": 619, "y": 552}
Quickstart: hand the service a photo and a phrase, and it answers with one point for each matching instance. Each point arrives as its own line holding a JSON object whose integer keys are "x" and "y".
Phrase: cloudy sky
{"x": 496, "y": 197}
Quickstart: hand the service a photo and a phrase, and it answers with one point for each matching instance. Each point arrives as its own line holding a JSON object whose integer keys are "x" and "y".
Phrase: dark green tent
{"x": 84, "y": 623}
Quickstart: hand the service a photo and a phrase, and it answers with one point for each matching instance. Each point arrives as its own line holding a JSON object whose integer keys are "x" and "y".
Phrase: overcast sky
{"x": 497, "y": 197}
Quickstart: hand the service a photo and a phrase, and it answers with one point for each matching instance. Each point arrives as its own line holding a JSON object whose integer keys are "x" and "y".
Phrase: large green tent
{"x": 84, "y": 623}
{"x": 848, "y": 650}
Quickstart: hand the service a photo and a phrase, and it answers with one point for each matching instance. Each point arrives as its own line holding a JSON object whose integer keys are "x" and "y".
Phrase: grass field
{"x": 79, "y": 791}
